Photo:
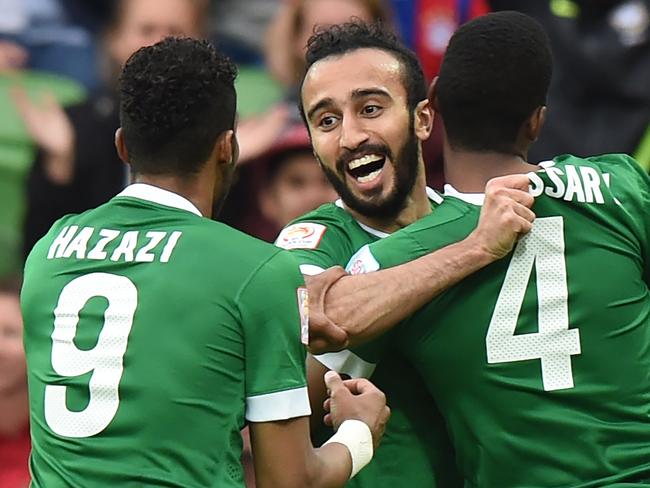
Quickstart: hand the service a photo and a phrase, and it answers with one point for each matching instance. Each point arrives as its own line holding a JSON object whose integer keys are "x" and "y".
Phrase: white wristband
{"x": 356, "y": 436}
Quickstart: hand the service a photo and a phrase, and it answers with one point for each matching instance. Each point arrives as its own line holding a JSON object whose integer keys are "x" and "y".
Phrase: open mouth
{"x": 366, "y": 168}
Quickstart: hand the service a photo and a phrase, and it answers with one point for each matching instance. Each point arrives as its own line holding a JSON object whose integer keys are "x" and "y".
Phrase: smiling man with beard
{"x": 364, "y": 101}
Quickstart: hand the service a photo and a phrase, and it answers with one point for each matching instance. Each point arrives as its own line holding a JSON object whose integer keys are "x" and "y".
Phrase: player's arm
{"x": 277, "y": 405}
{"x": 285, "y": 458}
{"x": 367, "y": 305}
{"x": 318, "y": 242}
{"x": 317, "y": 391}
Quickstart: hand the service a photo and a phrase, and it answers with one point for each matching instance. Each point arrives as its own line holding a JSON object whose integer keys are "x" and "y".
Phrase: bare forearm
{"x": 317, "y": 393}
{"x": 367, "y": 305}
{"x": 328, "y": 467}
{"x": 334, "y": 466}
{"x": 284, "y": 457}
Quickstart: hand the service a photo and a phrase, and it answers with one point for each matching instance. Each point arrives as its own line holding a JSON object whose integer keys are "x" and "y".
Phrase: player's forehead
{"x": 339, "y": 77}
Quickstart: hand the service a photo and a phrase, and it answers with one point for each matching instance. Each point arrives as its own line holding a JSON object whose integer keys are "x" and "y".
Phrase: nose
{"x": 353, "y": 133}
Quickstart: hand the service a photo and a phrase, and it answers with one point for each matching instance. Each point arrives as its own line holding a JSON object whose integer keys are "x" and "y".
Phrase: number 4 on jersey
{"x": 554, "y": 343}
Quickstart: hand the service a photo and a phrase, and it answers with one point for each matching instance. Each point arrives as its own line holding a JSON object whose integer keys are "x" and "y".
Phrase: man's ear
{"x": 227, "y": 148}
{"x": 535, "y": 123}
{"x": 120, "y": 145}
{"x": 423, "y": 120}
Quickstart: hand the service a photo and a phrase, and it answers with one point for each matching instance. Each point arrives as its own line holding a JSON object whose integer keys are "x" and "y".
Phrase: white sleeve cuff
{"x": 346, "y": 362}
{"x": 280, "y": 405}
{"x": 310, "y": 269}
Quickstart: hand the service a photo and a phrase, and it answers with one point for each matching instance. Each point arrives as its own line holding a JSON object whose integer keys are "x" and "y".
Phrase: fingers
{"x": 524, "y": 212}
{"x": 325, "y": 335}
{"x": 359, "y": 386}
{"x": 356, "y": 386}
{"x": 510, "y": 205}
{"x": 496, "y": 194}
{"x": 516, "y": 181}
{"x": 521, "y": 224}
{"x": 333, "y": 382}
{"x": 326, "y": 344}
{"x": 327, "y": 418}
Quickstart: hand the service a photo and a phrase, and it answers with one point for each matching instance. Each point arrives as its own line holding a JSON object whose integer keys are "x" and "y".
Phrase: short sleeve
{"x": 630, "y": 185}
{"x": 359, "y": 362}
{"x": 273, "y": 307}
{"x": 386, "y": 253}
{"x": 316, "y": 246}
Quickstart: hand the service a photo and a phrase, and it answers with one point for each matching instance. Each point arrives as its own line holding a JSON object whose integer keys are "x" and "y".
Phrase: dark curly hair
{"x": 495, "y": 73}
{"x": 342, "y": 38}
{"x": 177, "y": 98}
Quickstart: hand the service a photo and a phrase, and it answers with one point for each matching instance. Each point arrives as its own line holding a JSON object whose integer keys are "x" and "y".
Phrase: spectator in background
{"x": 295, "y": 23}
{"x": 295, "y": 183}
{"x": 427, "y": 25}
{"x": 600, "y": 92}
{"x": 239, "y": 27}
{"x": 14, "y": 420}
{"x": 77, "y": 167}
{"x": 53, "y": 35}
{"x": 278, "y": 187}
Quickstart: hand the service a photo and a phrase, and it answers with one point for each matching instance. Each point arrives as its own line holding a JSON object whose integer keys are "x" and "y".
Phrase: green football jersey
{"x": 540, "y": 363}
{"x": 151, "y": 335}
{"x": 415, "y": 450}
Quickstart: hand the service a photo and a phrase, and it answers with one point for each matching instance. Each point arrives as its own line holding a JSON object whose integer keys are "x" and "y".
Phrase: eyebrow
{"x": 325, "y": 102}
{"x": 368, "y": 92}
{"x": 356, "y": 94}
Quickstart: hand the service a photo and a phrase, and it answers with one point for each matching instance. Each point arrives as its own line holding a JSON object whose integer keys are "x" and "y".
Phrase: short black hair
{"x": 495, "y": 73}
{"x": 177, "y": 98}
{"x": 340, "y": 39}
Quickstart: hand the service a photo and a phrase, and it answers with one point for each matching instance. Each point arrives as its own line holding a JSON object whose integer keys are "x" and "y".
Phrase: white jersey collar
{"x": 473, "y": 198}
{"x": 433, "y": 195}
{"x": 157, "y": 195}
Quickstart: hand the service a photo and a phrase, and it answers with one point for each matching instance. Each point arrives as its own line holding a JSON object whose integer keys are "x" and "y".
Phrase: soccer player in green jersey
{"x": 367, "y": 127}
{"x": 153, "y": 333}
{"x": 539, "y": 363}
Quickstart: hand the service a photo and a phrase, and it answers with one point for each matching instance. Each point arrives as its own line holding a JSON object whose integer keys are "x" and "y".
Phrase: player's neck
{"x": 14, "y": 405}
{"x": 417, "y": 205}
{"x": 197, "y": 189}
{"x": 469, "y": 171}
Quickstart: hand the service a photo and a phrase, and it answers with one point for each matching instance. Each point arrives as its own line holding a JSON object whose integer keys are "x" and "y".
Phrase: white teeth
{"x": 370, "y": 176}
{"x": 363, "y": 160}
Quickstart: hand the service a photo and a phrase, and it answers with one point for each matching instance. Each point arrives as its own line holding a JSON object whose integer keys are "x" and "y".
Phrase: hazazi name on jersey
{"x": 127, "y": 246}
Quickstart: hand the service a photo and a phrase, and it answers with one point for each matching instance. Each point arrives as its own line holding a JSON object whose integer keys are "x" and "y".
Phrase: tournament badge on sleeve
{"x": 303, "y": 308}
{"x": 305, "y": 235}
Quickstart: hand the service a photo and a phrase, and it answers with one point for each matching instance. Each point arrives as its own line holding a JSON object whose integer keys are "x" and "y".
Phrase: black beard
{"x": 406, "y": 172}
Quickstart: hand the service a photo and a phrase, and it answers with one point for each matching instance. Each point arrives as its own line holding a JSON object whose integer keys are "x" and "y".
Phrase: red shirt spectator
{"x": 14, "y": 460}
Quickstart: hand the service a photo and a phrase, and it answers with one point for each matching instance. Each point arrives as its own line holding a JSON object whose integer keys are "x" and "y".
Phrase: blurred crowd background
{"x": 59, "y": 65}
